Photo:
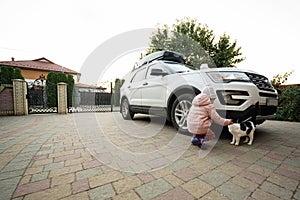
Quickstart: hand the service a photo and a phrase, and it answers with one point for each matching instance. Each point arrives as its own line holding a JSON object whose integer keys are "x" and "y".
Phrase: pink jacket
{"x": 201, "y": 113}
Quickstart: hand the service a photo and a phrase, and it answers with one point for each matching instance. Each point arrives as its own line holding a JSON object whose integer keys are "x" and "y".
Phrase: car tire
{"x": 125, "y": 110}
{"x": 179, "y": 112}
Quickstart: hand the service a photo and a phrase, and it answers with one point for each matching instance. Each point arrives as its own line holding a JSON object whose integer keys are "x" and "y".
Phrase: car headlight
{"x": 232, "y": 97}
{"x": 225, "y": 77}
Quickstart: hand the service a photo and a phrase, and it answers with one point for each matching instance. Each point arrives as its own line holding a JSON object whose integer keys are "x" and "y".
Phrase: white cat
{"x": 239, "y": 130}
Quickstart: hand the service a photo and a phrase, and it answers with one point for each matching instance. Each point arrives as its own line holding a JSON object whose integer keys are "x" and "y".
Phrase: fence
{"x": 18, "y": 99}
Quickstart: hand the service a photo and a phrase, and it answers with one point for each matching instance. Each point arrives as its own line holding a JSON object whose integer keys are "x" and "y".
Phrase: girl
{"x": 200, "y": 115}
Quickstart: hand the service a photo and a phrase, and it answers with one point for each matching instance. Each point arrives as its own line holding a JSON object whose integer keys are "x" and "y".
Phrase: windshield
{"x": 175, "y": 67}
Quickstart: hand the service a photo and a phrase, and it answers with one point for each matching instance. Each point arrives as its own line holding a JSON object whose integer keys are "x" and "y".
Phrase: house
{"x": 39, "y": 68}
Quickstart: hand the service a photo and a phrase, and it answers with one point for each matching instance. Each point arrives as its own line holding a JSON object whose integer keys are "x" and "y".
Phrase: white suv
{"x": 161, "y": 84}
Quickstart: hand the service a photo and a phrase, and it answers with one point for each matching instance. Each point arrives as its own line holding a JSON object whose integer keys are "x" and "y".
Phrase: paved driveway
{"x": 100, "y": 156}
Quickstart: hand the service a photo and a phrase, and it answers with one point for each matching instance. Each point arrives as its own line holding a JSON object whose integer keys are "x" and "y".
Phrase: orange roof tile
{"x": 39, "y": 64}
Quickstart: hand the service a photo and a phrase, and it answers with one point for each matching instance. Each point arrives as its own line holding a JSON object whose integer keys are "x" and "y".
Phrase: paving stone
{"x": 146, "y": 177}
{"x": 276, "y": 190}
{"x": 264, "y": 171}
{"x": 257, "y": 178}
{"x": 245, "y": 183}
{"x": 25, "y": 179}
{"x": 102, "y": 192}
{"x": 24, "y": 156}
{"x": 127, "y": 195}
{"x": 31, "y": 187}
{"x": 276, "y": 156}
{"x": 65, "y": 170}
{"x": 268, "y": 169}
{"x": 12, "y": 166}
{"x": 162, "y": 172}
{"x": 105, "y": 178}
{"x": 235, "y": 152}
{"x": 87, "y": 173}
{"x": 218, "y": 160}
{"x": 297, "y": 194}
{"x": 79, "y": 196}
{"x": 233, "y": 191}
{"x": 173, "y": 180}
{"x": 203, "y": 167}
{"x": 175, "y": 194}
{"x": 42, "y": 157}
{"x": 39, "y": 176}
{"x": 33, "y": 170}
{"x": 11, "y": 174}
{"x": 288, "y": 173}
{"x": 283, "y": 181}
{"x": 80, "y": 186}
{"x": 240, "y": 163}
{"x": 63, "y": 179}
{"x": 61, "y": 153}
{"x": 212, "y": 195}
{"x": 67, "y": 157}
{"x": 269, "y": 165}
{"x": 52, "y": 166}
{"x": 153, "y": 189}
{"x": 45, "y": 152}
{"x": 215, "y": 177}
{"x": 58, "y": 192}
{"x": 179, "y": 164}
{"x": 197, "y": 187}
{"x": 259, "y": 194}
{"x": 187, "y": 174}
{"x": 127, "y": 184}
{"x": 8, "y": 186}
{"x": 42, "y": 162}
{"x": 230, "y": 169}
{"x": 294, "y": 162}
{"x": 91, "y": 164}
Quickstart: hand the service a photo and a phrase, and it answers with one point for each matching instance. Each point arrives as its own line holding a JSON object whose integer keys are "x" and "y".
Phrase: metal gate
{"x": 92, "y": 102}
{"x": 37, "y": 98}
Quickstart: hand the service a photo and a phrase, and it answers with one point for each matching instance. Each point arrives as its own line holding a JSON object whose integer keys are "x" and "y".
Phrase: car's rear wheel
{"x": 180, "y": 110}
{"x": 125, "y": 110}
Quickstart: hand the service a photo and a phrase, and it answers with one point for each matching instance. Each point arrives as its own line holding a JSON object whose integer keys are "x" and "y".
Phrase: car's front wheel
{"x": 180, "y": 111}
{"x": 125, "y": 110}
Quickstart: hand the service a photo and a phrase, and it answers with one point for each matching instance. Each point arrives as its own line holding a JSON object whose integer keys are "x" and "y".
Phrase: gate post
{"x": 62, "y": 98}
{"x": 19, "y": 95}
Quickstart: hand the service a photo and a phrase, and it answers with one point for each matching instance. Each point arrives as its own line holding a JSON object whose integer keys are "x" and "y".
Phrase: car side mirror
{"x": 158, "y": 72}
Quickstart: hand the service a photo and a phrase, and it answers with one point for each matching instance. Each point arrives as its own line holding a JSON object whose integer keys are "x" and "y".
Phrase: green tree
{"x": 197, "y": 43}
{"x": 289, "y": 104}
{"x": 280, "y": 79}
{"x": 70, "y": 89}
{"x": 288, "y": 98}
{"x": 51, "y": 87}
{"x": 225, "y": 53}
{"x": 7, "y": 74}
{"x": 118, "y": 84}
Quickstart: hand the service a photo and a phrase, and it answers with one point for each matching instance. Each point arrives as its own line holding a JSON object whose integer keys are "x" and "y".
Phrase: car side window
{"x": 155, "y": 70}
{"x": 139, "y": 75}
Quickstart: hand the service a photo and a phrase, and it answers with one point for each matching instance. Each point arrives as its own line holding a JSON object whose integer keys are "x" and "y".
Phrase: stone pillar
{"x": 62, "y": 105}
{"x": 19, "y": 95}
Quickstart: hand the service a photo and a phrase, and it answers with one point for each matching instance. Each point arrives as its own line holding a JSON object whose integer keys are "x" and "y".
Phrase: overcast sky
{"x": 67, "y": 31}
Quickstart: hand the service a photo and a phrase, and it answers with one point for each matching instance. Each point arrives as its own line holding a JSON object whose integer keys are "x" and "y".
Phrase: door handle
{"x": 145, "y": 83}
{"x": 129, "y": 87}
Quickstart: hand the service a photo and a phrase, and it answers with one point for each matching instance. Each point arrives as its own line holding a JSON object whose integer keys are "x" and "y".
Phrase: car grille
{"x": 261, "y": 82}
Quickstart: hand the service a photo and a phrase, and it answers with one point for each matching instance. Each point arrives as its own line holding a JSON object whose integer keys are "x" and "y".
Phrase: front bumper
{"x": 257, "y": 112}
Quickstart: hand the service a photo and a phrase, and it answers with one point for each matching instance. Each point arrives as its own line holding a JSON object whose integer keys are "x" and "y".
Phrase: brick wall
{"x": 6, "y": 100}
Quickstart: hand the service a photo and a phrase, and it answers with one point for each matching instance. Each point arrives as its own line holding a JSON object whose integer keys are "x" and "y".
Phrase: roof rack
{"x": 161, "y": 55}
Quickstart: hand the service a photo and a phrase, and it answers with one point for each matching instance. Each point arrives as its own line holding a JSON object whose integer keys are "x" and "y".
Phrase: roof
{"x": 38, "y": 64}
{"x": 82, "y": 85}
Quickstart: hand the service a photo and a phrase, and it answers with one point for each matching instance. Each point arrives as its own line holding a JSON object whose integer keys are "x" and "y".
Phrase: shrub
{"x": 7, "y": 74}
{"x": 51, "y": 89}
{"x": 289, "y": 103}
